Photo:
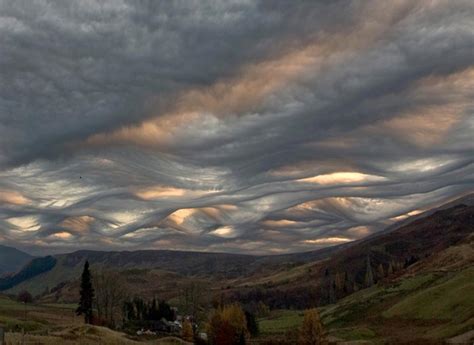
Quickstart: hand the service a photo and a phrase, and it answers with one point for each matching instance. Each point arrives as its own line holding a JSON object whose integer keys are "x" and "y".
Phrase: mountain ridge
{"x": 12, "y": 259}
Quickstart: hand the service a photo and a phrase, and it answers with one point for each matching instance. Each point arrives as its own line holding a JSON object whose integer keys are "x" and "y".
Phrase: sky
{"x": 258, "y": 127}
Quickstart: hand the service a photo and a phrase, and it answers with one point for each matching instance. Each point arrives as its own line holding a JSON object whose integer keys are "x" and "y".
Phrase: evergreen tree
{"x": 380, "y": 271}
{"x": 390, "y": 269}
{"x": 252, "y": 324}
{"x": 87, "y": 295}
{"x": 369, "y": 275}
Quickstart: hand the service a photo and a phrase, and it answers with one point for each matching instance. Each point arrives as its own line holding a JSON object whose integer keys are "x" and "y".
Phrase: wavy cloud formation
{"x": 239, "y": 126}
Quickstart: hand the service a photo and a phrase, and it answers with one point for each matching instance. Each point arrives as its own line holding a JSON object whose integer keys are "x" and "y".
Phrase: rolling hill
{"x": 361, "y": 264}
{"x": 410, "y": 283}
{"x": 12, "y": 259}
{"x": 282, "y": 281}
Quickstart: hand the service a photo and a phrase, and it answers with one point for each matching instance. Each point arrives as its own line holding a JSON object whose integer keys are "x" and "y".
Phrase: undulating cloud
{"x": 239, "y": 126}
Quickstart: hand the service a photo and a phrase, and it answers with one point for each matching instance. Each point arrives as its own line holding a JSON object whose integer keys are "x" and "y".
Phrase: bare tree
{"x": 193, "y": 298}
{"x": 111, "y": 290}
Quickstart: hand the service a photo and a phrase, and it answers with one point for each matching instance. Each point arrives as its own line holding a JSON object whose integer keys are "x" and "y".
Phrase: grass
{"x": 281, "y": 321}
{"x": 283, "y": 276}
{"x": 85, "y": 335}
{"x": 450, "y": 300}
{"x": 354, "y": 333}
{"x": 430, "y": 306}
{"x": 56, "y": 324}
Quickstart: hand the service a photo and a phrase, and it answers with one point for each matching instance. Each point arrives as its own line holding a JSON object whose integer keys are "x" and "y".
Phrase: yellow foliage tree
{"x": 312, "y": 332}
{"x": 187, "y": 332}
{"x": 227, "y": 325}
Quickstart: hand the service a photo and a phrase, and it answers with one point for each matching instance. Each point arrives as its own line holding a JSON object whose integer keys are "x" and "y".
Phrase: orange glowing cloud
{"x": 406, "y": 215}
{"x": 179, "y": 216}
{"x": 26, "y": 223}
{"x": 224, "y": 231}
{"x": 328, "y": 240}
{"x": 62, "y": 235}
{"x": 341, "y": 178}
{"x": 158, "y": 192}
{"x": 79, "y": 224}
{"x": 279, "y": 223}
{"x": 429, "y": 124}
{"x": 246, "y": 92}
{"x": 13, "y": 197}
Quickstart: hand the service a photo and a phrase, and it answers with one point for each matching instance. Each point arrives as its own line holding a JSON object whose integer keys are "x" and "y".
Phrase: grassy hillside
{"x": 429, "y": 306}
{"x": 432, "y": 300}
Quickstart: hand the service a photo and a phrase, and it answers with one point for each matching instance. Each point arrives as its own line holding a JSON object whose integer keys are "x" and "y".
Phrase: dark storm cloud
{"x": 234, "y": 126}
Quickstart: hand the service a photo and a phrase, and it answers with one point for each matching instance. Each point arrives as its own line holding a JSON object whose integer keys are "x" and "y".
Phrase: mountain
{"x": 30, "y": 270}
{"x": 409, "y": 284}
{"x": 51, "y": 272}
{"x": 361, "y": 264}
{"x": 12, "y": 260}
{"x": 282, "y": 281}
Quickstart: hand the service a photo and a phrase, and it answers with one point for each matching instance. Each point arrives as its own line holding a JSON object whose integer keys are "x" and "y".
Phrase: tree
{"x": 25, "y": 298}
{"x": 252, "y": 324}
{"x": 110, "y": 290}
{"x": 228, "y": 325}
{"x": 369, "y": 275}
{"x": 380, "y": 271}
{"x": 262, "y": 309}
{"x": 193, "y": 297}
{"x": 312, "y": 330}
{"x": 187, "y": 332}
{"x": 87, "y": 295}
{"x": 390, "y": 269}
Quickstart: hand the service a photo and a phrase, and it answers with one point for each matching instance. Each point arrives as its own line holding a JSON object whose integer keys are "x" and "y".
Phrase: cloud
{"x": 240, "y": 126}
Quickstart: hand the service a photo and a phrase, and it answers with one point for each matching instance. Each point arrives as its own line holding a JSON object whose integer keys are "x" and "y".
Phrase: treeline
{"x": 279, "y": 298}
{"x": 141, "y": 310}
{"x": 328, "y": 287}
{"x": 231, "y": 325}
{"x": 105, "y": 300}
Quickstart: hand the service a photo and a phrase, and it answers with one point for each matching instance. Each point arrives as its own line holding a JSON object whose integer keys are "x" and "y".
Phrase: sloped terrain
{"x": 12, "y": 259}
{"x": 387, "y": 255}
{"x": 426, "y": 304}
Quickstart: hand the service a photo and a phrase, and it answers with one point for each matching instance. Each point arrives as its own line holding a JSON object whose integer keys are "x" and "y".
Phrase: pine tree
{"x": 369, "y": 275}
{"x": 390, "y": 269}
{"x": 252, "y": 324}
{"x": 87, "y": 295}
{"x": 381, "y": 271}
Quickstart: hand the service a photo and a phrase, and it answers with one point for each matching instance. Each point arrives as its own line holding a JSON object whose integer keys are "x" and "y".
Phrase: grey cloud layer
{"x": 240, "y": 126}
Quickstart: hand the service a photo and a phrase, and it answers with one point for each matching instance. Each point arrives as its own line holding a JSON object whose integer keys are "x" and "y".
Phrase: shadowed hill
{"x": 12, "y": 259}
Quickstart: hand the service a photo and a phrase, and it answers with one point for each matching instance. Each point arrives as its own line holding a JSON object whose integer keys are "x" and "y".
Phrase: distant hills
{"x": 12, "y": 259}
{"x": 363, "y": 263}
{"x": 411, "y": 283}
{"x": 288, "y": 281}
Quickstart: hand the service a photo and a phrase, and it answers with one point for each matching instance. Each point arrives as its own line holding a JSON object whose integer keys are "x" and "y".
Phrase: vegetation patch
{"x": 449, "y": 300}
{"x": 281, "y": 321}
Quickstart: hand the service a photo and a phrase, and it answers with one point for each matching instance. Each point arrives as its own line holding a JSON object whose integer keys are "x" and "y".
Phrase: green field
{"x": 430, "y": 306}
{"x": 280, "y": 321}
